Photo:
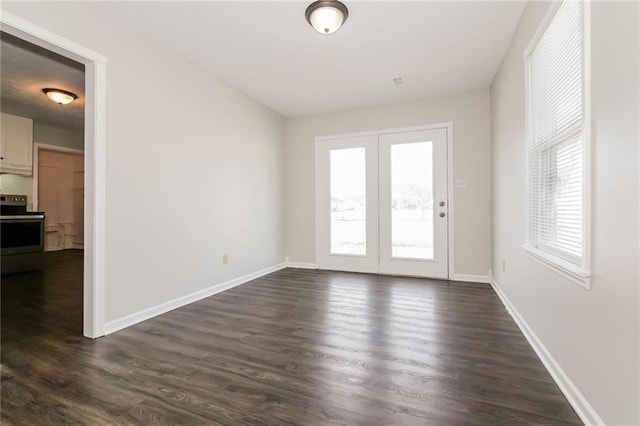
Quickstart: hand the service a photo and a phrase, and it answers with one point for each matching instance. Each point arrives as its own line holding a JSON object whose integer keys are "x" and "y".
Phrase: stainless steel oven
{"x": 21, "y": 236}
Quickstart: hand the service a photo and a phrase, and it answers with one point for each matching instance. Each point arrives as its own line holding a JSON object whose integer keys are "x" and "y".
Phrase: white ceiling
{"x": 268, "y": 50}
{"x": 26, "y": 70}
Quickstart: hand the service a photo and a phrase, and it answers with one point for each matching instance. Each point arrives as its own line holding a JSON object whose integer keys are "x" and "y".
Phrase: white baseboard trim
{"x": 301, "y": 265}
{"x": 471, "y": 278}
{"x": 145, "y": 314}
{"x": 579, "y": 403}
{"x": 72, "y": 246}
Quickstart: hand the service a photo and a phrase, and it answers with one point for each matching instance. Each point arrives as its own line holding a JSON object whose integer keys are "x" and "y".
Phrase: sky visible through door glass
{"x": 348, "y": 201}
{"x": 412, "y": 200}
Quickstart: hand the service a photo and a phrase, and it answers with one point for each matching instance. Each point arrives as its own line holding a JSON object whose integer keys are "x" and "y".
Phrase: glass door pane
{"x": 412, "y": 200}
{"x": 348, "y": 201}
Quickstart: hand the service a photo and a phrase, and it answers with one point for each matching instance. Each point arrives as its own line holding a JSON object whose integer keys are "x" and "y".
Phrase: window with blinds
{"x": 556, "y": 120}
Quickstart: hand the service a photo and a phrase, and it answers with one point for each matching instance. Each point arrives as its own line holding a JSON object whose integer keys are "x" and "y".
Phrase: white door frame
{"x": 445, "y": 125}
{"x": 94, "y": 159}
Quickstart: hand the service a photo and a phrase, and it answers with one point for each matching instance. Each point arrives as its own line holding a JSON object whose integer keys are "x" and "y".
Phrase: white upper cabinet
{"x": 16, "y": 150}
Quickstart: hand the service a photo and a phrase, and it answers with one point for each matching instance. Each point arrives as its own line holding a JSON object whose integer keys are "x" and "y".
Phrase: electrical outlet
{"x": 461, "y": 184}
{"x": 225, "y": 259}
{"x": 504, "y": 265}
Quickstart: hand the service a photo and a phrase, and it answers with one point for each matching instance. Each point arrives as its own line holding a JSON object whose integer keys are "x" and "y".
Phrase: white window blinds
{"x": 556, "y": 137}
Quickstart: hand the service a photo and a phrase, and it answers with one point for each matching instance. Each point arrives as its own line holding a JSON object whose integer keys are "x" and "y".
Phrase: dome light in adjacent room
{"x": 60, "y": 96}
{"x": 326, "y": 16}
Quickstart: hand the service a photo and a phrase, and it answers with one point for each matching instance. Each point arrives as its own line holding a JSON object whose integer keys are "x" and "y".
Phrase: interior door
{"x": 413, "y": 203}
{"x": 48, "y": 202}
{"x": 381, "y": 203}
{"x": 347, "y": 204}
{"x": 61, "y": 197}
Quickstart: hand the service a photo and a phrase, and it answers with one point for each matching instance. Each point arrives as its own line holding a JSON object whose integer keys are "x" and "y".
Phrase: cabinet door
{"x": 17, "y": 145}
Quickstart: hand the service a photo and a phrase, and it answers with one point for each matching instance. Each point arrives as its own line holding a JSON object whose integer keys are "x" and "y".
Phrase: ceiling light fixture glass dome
{"x": 326, "y": 16}
{"x": 60, "y": 96}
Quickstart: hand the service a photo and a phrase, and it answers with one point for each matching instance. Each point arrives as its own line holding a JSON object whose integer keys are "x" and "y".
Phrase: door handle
{"x": 442, "y": 214}
{"x": 441, "y": 203}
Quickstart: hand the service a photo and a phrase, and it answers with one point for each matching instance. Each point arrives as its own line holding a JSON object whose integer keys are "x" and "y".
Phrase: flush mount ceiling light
{"x": 60, "y": 96}
{"x": 326, "y": 16}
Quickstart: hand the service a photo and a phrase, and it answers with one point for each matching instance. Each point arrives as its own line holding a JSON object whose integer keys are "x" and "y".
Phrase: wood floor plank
{"x": 296, "y": 347}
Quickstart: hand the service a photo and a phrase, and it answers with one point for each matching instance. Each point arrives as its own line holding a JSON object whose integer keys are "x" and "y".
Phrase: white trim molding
{"x": 57, "y": 148}
{"x": 95, "y": 161}
{"x": 301, "y": 265}
{"x": 570, "y": 271}
{"x": 483, "y": 279}
{"x": 148, "y": 313}
{"x": 450, "y": 195}
{"x": 579, "y": 403}
{"x": 95, "y": 197}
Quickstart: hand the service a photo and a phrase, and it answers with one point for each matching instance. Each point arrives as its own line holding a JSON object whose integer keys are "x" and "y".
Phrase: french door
{"x": 381, "y": 203}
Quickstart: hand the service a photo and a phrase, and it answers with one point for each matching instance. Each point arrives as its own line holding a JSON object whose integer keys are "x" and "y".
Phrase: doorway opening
{"x": 94, "y": 160}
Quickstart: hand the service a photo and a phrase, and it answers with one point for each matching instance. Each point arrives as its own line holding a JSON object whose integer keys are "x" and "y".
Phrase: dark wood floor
{"x": 295, "y": 347}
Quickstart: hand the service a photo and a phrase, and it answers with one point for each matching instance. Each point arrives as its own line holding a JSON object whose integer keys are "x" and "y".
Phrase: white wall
{"x": 16, "y": 184}
{"x": 194, "y": 168}
{"x": 592, "y": 334}
{"x": 469, "y": 113}
{"x": 50, "y": 135}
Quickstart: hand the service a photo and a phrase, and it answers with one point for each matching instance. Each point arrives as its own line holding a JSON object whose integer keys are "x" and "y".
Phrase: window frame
{"x": 579, "y": 274}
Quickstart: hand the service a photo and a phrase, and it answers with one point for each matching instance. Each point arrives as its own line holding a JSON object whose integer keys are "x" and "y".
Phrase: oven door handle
{"x": 22, "y": 217}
